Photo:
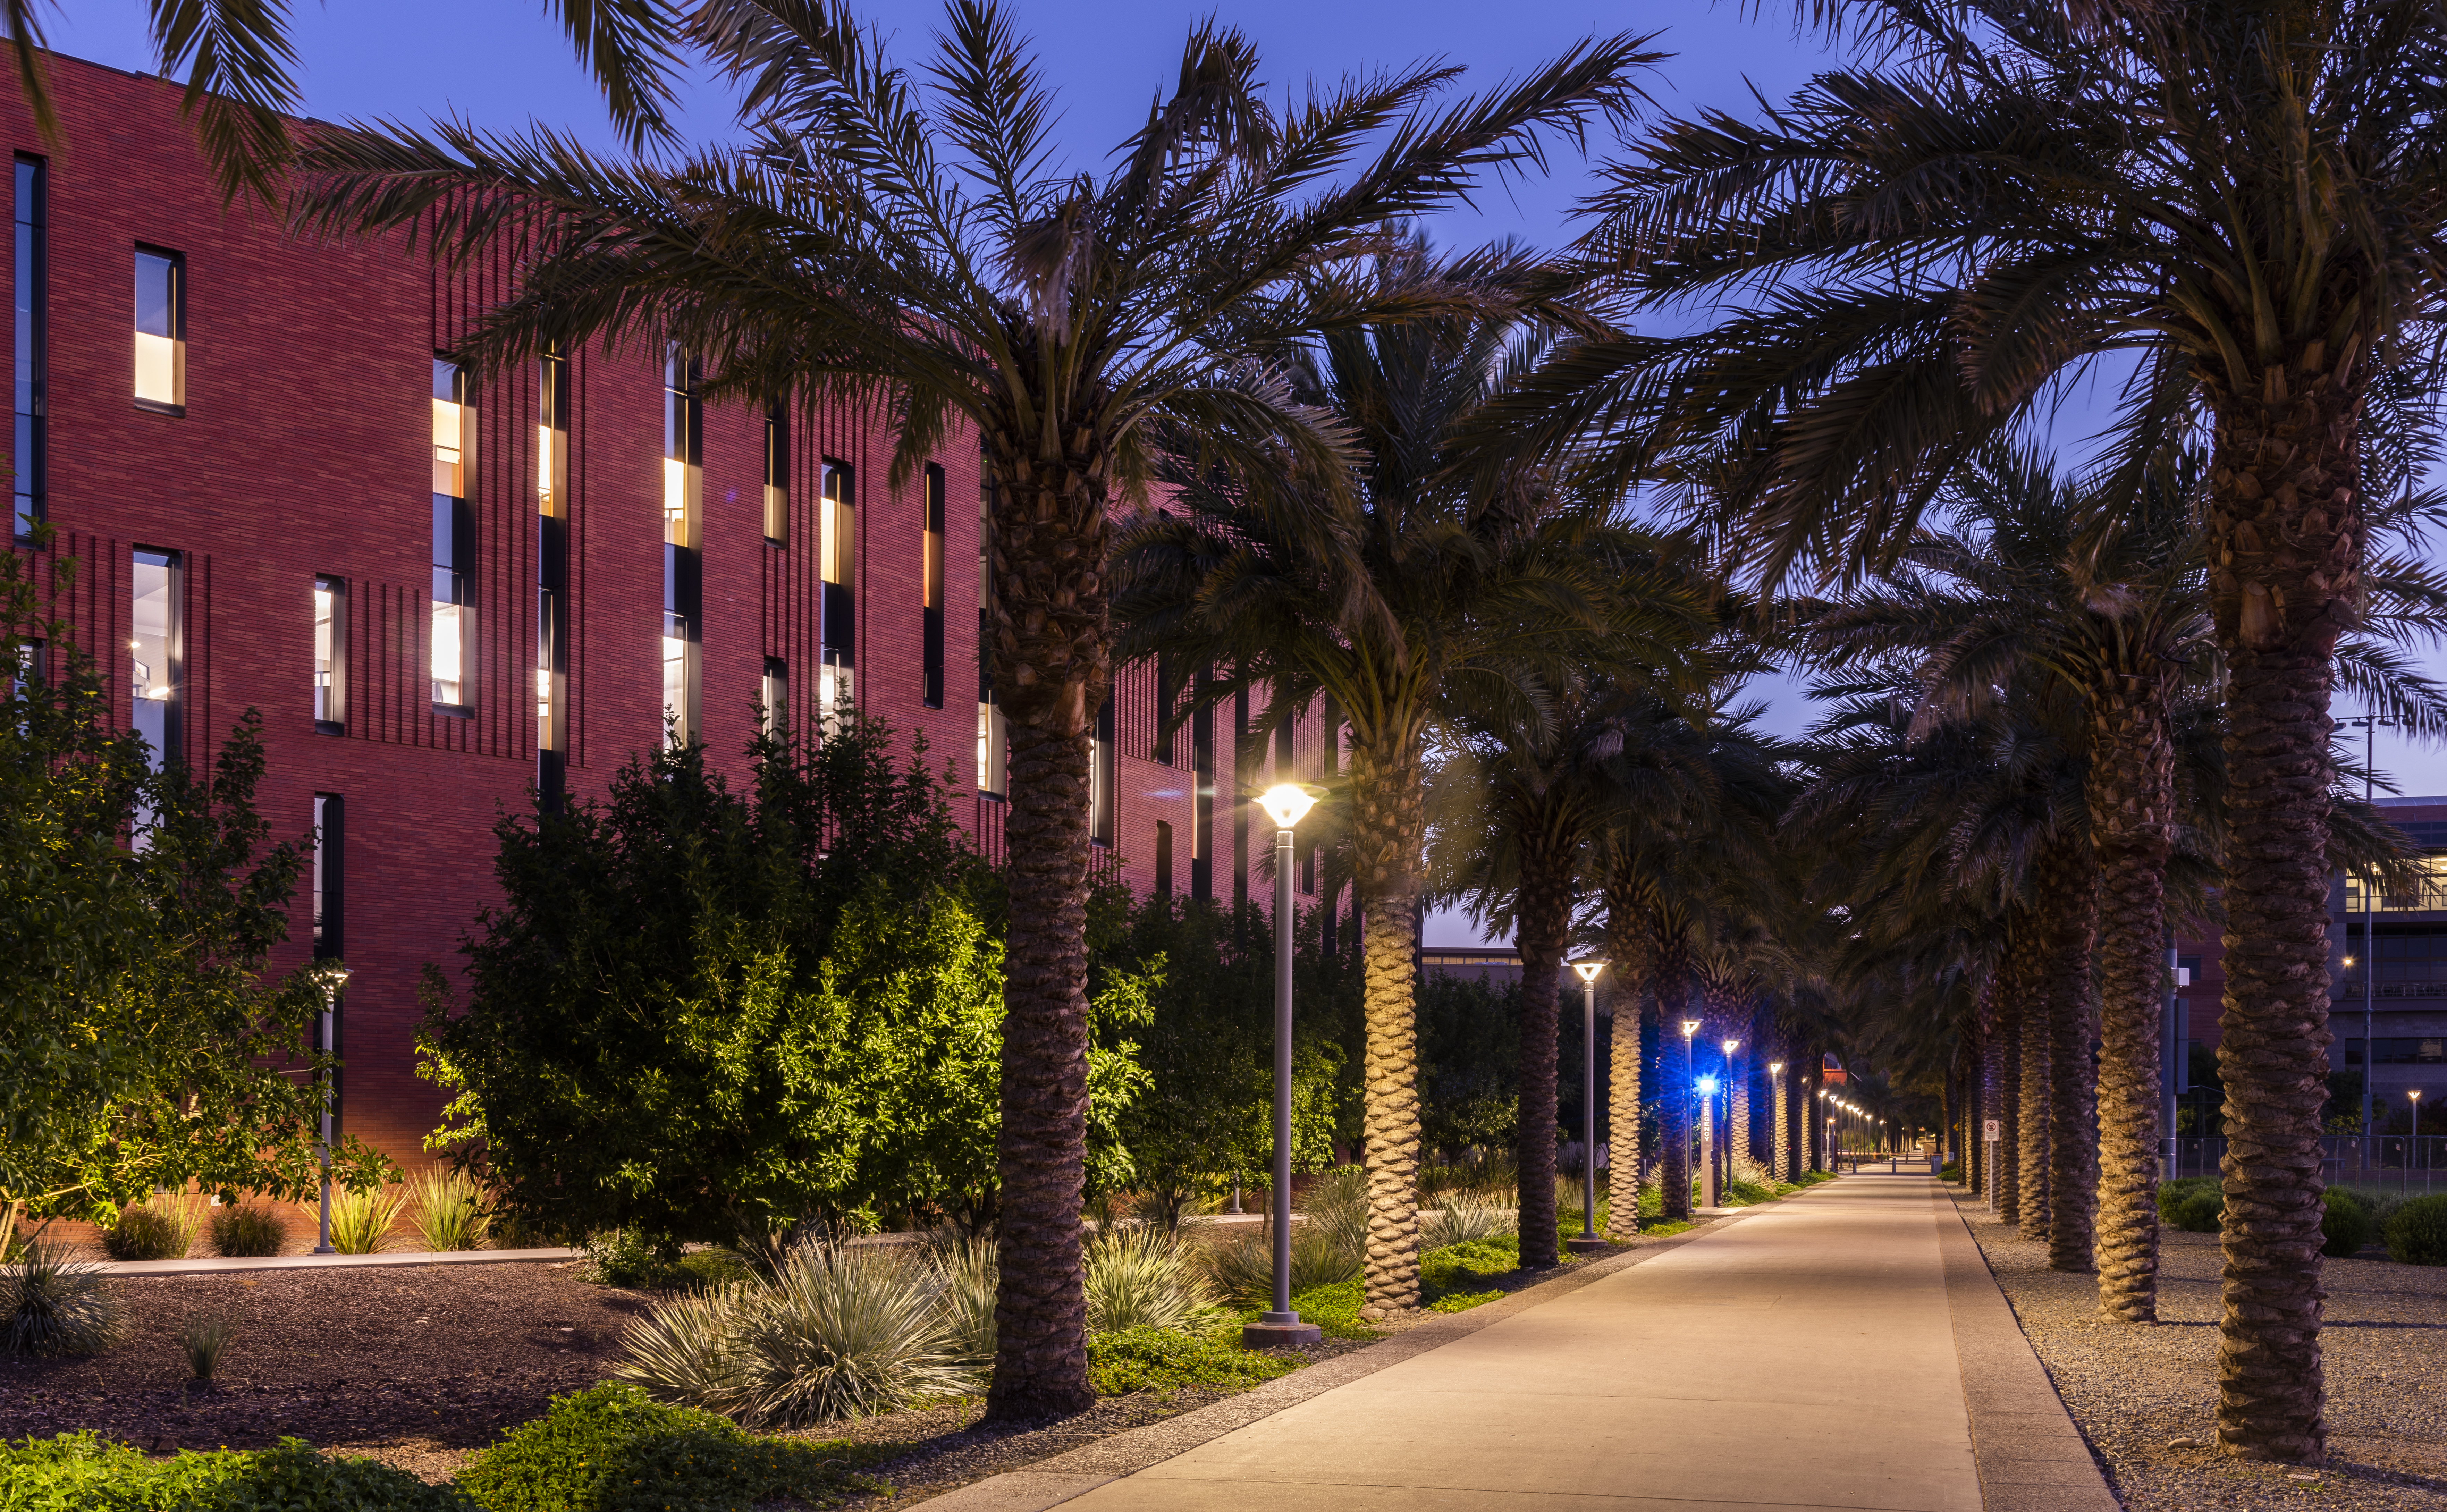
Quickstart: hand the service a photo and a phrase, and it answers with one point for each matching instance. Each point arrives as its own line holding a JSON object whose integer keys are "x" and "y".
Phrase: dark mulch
{"x": 429, "y": 1358}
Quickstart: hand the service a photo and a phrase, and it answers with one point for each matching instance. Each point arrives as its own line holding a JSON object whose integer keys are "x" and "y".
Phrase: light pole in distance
{"x": 1587, "y": 1237}
{"x": 334, "y": 977}
{"x": 1284, "y": 803}
{"x": 1706, "y": 1087}
{"x": 1730, "y": 1045}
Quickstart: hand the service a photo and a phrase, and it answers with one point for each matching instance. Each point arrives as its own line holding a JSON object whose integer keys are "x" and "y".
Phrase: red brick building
{"x": 227, "y": 428}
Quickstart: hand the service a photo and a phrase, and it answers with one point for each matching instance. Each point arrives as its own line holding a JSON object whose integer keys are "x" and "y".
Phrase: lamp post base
{"x": 1585, "y": 1245}
{"x": 1280, "y": 1330}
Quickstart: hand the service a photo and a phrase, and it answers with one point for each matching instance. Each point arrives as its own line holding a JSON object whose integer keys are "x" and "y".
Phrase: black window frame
{"x": 337, "y": 704}
{"x": 177, "y": 261}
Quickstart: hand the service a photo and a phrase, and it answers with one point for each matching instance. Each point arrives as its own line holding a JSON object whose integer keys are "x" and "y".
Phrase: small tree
{"x": 141, "y": 1043}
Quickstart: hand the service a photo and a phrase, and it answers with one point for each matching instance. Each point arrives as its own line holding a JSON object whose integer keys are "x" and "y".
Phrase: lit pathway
{"x": 1803, "y": 1356}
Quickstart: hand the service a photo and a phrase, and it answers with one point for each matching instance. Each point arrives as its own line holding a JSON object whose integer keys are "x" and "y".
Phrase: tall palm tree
{"x": 1432, "y": 589}
{"x": 912, "y": 241}
{"x": 2242, "y": 202}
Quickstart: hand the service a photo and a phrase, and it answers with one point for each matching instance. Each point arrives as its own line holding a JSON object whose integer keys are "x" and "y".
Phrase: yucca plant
{"x": 1460, "y": 1216}
{"x": 361, "y": 1221}
{"x": 448, "y": 1209}
{"x": 160, "y": 1228}
{"x": 1241, "y": 1266}
{"x": 202, "y": 1339}
{"x": 1335, "y": 1206}
{"x": 51, "y": 1305}
{"x": 971, "y": 1271}
{"x": 1140, "y": 1276}
{"x": 685, "y": 1351}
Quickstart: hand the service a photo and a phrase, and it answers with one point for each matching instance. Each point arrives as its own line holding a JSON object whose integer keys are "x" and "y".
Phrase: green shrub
{"x": 80, "y": 1472}
{"x": 1161, "y": 1360}
{"x": 447, "y": 1209}
{"x": 629, "y": 1258}
{"x": 1140, "y": 1276}
{"x": 1335, "y": 1206}
{"x": 162, "y": 1229}
{"x": 246, "y": 1231}
{"x": 1460, "y": 1216}
{"x": 52, "y": 1305}
{"x": 2193, "y": 1204}
{"x": 2346, "y": 1227}
{"x": 1240, "y": 1265}
{"x": 1950, "y": 1171}
{"x": 2172, "y": 1194}
{"x": 361, "y": 1221}
{"x": 610, "y": 1449}
{"x": 2416, "y": 1232}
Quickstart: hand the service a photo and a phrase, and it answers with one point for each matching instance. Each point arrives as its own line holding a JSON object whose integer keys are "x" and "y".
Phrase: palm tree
{"x": 2241, "y": 202}
{"x": 1431, "y": 591}
{"x": 922, "y": 248}
{"x": 241, "y": 86}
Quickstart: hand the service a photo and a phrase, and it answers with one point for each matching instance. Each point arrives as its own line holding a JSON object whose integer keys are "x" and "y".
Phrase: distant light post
{"x": 1778, "y": 1146}
{"x": 1731, "y": 1137}
{"x": 334, "y": 977}
{"x": 1284, "y": 803}
{"x": 2413, "y": 1096}
{"x": 1587, "y": 1238}
{"x": 1706, "y": 1087}
{"x": 1690, "y": 1079}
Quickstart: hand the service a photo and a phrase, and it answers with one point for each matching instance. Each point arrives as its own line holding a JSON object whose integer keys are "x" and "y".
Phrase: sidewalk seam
{"x": 2024, "y": 1444}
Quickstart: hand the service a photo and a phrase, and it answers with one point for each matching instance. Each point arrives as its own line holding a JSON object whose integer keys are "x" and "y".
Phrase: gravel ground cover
{"x": 2145, "y": 1398}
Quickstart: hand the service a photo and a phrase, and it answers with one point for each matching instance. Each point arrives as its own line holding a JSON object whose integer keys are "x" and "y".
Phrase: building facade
{"x": 225, "y": 425}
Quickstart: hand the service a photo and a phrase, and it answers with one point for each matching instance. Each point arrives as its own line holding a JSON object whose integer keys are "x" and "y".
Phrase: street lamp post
{"x": 334, "y": 977}
{"x": 1587, "y": 1237}
{"x": 1284, "y": 803}
{"x": 1778, "y": 1144}
{"x": 2413, "y": 1152}
{"x": 1734, "y": 1139}
{"x": 1690, "y": 1086}
{"x": 1708, "y": 1193}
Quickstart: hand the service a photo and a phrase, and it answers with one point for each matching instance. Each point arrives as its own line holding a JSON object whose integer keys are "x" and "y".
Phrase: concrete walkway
{"x": 1802, "y": 1356}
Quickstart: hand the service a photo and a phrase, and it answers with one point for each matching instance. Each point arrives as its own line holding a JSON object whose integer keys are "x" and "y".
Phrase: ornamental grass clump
{"x": 836, "y": 1333}
{"x": 1139, "y": 1276}
{"x": 971, "y": 1275}
{"x": 203, "y": 1340}
{"x": 1461, "y": 1217}
{"x": 246, "y": 1231}
{"x": 52, "y": 1306}
{"x": 361, "y": 1221}
{"x": 1240, "y": 1267}
{"x": 160, "y": 1228}
{"x": 447, "y": 1209}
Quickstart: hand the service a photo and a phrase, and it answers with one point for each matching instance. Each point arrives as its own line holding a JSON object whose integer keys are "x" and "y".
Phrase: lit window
{"x": 328, "y": 892}
{"x": 454, "y": 538}
{"x": 552, "y": 574}
{"x": 836, "y": 554}
{"x": 153, "y": 652}
{"x": 160, "y": 329}
{"x": 931, "y": 575}
{"x": 777, "y": 477}
{"x": 683, "y": 569}
{"x": 775, "y": 696}
{"x": 994, "y": 746}
{"x": 331, "y": 654}
{"x": 1100, "y": 777}
{"x": 676, "y": 680}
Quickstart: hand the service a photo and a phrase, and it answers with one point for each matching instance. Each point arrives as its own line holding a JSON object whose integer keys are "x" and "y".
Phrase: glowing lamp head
{"x": 1730, "y": 1045}
{"x": 2414, "y": 1094}
{"x": 2349, "y": 960}
{"x": 1690, "y": 1027}
{"x": 335, "y": 977}
{"x": 1775, "y": 1067}
{"x": 1588, "y": 969}
{"x": 1286, "y": 802}
{"x": 1705, "y": 1086}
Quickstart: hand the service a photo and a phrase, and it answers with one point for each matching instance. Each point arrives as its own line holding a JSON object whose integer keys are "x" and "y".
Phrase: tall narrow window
{"x": 775, "y": 696}
{"x": 1100, "y": 777}
{"x": 683, "y": 564}
{"x": 931, "y": 573}
{"x": 837, "y": 555}
{"x": 552, "y": 576}
{"x": 331, "y": 655}
{"x": 992, "y": 741}
{"x": 777, "y": 476}
{"x": 26, "y": 458}
{"x": 154, "y": 651}
{"x": 454, "y": 539}
{"x": 1202, "y": 800}
{"x": 330, "y": 840}
{"x": 1163, "y": 857}
{"x": 160, "y": 330}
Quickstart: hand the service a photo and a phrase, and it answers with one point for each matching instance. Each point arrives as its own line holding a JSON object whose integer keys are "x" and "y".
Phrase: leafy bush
{"x": 361, "y": 1221}
{"x": 203, "y": 1340}
{"x": 836, "y": 1333}
{"x": 611, "y": 1449}
{"x": 2416, "y": 1232}
{"x": 2195, "y": 1204}
{"x": 1139, "y": 1276}
{"x": 1462, "y": 1301}
{"x": 52, "y": 1305}
{"x": 78, "y": 1471}
{"x": 629, "y": 1258}
{"x": 1462, "y": 1267}
{"x": 247, "y": 1231}
{"x": 1950, "y": 1171}
{"x": 163, "y": 1228}
{"x": 448, "y": 1209}
{"x": 1145, "y": 1359}
{"x": 2347, "y": 1228}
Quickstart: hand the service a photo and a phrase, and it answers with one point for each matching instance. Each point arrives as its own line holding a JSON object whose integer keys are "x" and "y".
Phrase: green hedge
{"x": 2416, "y": 1232}
{"x": 610, "y": 1449}
{"x": 79, "y": 1472}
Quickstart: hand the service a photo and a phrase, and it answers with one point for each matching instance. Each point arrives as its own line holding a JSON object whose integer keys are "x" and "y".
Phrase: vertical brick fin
{"x": 987, "y": 831}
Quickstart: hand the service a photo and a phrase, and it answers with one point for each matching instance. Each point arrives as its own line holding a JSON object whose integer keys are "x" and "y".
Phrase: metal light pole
{"x": 1779, "y": 1144}
{"x": 1689, "y": 1085}
{"x": 1708, "y": 1195}
{"x": 1284, "y": 803}
{"x": 334, "y": 977}
{"x": 1587, "y": 1237}
{"x": 1731, "y": 1136}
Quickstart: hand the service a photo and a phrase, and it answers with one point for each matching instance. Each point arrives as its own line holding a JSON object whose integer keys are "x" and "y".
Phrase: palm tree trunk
{"x": 2131, "y": 803}
{"x": 1051, "y": 633}
{"x": 1780, "y": 1147}
{"x": 1738, "y": 1144}
{"x": 2030, "y": 989}
{"x": 1545, "y": 908}
{"x": 2285, "y": 537}
{"x": 1673, "y": 1007}
{"x": 2004, "y": 1072}
{"x": 1627, "y": 935}
{"x": 2069, "y": 887}
{"x": 1388, "y": 824}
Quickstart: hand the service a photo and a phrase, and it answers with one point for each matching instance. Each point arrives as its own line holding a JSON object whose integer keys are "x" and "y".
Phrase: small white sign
{"x": 1991, "y": 1131}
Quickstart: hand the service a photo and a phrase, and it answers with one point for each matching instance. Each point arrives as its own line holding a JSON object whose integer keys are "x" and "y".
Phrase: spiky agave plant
{"x": 1141, "y": 1277}
{"x": 54, "y": 1306}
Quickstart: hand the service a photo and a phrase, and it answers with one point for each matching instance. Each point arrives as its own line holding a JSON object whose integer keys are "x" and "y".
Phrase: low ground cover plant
{"x": 246, "y": 1231}
{"x": 52, "y": 1305}
{"x": 611, "y": 1449}
{"x": 1151, "y": 1359}
{"x": 80, "y": 1470}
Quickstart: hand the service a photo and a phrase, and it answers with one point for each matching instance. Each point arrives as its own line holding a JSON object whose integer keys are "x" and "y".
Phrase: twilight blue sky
{"x": 502, "y": 63}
